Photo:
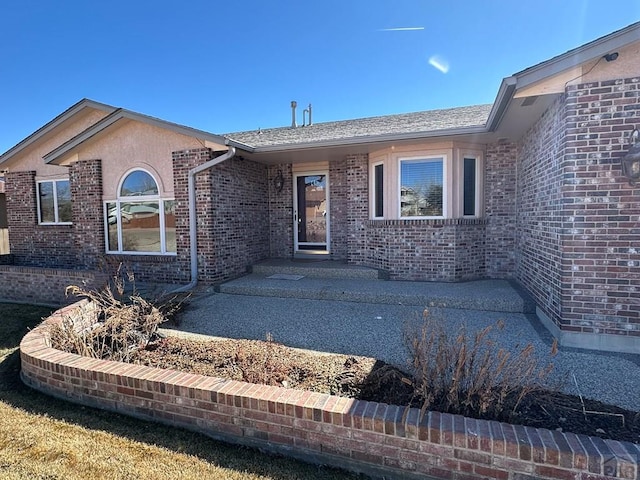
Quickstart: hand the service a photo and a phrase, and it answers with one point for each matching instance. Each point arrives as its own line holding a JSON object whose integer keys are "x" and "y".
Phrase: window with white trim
{"x": 426, "y": 183}
{"x": 54, "y": 202}
{"x": 139, "y": 220}
{"x": 378, "y": 190}
{"x": 469, "y": 186}
{"x": 422, "y": 187}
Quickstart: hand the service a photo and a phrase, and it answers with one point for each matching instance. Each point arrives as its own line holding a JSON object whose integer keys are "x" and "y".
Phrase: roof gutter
{"x": 193, "y": 230}
{"x": 367, "y": 139}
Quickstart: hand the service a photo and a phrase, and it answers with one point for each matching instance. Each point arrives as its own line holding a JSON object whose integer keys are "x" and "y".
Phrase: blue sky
{"x": 229, "y": 66}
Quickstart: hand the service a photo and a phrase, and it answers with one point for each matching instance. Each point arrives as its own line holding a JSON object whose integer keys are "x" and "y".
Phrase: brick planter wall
{"x": 368, "y": 437}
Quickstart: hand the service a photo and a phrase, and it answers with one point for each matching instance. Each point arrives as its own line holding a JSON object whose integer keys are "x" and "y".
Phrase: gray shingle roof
{"x": 405, "y": 123}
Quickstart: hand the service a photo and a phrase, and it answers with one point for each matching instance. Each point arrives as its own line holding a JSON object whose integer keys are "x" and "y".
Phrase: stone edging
{"x": 357, "y": 435}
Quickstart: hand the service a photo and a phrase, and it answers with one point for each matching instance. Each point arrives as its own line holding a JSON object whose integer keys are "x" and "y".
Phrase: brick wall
{"x": 377, "y": 439}
{"x": 85, "y": 181}
{"x": 281, "y": 212}
{"x": 578, "y": 217}
{"x": 183, "y": 162}
{"x": 357, "y": 207}
{"x": 600, "y": 270}
{"x": 540, "y": 208}
{"x": 427, "y": 250}
{"x": 432, "y": 250}
{"x": 44, "y": 286}
{"x": 338, "y": 208}
{"x": 30, "y": 243}
{"x": 500, "y": 209}
{"x": 239, "y": 217}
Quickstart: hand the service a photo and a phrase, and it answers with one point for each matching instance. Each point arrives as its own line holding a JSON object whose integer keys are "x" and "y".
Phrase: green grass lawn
{"x": 45, "y": 438}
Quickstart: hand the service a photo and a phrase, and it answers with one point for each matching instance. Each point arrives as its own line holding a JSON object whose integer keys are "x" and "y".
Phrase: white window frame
{"x": 372, "y": 189}
{"x": 136, "y": 199}
{"x": 445, "y": 185}
{"x": 55, "y": 201}
{"x": 478, "y": 183}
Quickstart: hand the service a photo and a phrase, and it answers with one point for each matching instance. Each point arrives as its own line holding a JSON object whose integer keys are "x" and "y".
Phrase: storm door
{"x": 311, "y": 212}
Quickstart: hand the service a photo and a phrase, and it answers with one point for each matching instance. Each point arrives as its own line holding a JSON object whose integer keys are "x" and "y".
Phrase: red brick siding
{"x": 578, "y": 217}
{"x": 600, "y": 270}
{"x": 368, "y": 437}
{"x": 85, "y": 181}
{"x": 500, "y": 209}
{"x": 239, "y": 218}
{"x": 281, "y": 213}
{"x": 428, "y": 250}
{"x": 184, "y": 161}
{"x": 433, "y": 250}
{"x": 540, "y": 210}
{"x": 357, "y": 208}
{"x": 44, "y": 285}
{"x": 338, "y": 208}
{"x": 32, "y": 244}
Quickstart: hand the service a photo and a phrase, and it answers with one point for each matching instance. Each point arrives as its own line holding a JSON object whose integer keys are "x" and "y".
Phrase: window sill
{"x": 144, "y": 257}
{"x": 433, "y": 222}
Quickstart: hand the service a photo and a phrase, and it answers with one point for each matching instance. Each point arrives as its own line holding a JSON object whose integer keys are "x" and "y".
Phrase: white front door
{"x": 311, "y": 212}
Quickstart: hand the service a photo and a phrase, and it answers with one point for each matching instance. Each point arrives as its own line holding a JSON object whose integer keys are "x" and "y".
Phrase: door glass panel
{"x": 312, "y": 211}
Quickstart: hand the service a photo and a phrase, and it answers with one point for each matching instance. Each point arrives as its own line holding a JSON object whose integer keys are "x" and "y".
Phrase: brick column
{"x": 22, "y": 213}
{"x": 85, "y": 181}
{"x": 281, "y": 213}
{"x": 358, "y": 207}
{"x": 339, "y": 206}
{"x": 500, "y": 208}
{"x": 183, "y": 161}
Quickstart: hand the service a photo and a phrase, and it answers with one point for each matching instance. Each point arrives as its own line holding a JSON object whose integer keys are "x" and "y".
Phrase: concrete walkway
{"x": 361, "y": 327}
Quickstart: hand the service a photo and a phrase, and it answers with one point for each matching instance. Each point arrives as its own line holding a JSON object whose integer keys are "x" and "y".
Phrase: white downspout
{"x": 193, "y": 228}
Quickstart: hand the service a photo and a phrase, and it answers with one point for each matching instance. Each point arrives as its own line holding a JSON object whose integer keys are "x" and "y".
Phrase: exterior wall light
{"x": 631, "y": 161}
{"x": 278, "y": 181}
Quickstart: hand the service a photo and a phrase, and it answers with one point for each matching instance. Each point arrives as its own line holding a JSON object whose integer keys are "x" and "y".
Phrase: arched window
{"x": 140, "y": 221}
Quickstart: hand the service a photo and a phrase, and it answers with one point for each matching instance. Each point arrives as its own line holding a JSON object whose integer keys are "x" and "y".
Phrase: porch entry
{"x": 311, "y": 212}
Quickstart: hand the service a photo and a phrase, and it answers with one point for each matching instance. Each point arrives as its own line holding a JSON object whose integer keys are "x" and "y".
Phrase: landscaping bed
{"x": 369, "y": 379}
{"x": 466, "y": 374}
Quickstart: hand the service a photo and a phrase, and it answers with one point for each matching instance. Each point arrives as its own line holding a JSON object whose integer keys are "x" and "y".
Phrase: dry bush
{"x": 470, "y": 374}
{"x": 121, "y": 323}
{"x": 268, "y": 365}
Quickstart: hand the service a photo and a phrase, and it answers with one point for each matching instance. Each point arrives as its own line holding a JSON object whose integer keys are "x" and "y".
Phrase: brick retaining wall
{"x": 357, "y": 435}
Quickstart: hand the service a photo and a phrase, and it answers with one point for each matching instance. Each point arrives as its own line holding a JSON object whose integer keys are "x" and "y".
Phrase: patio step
{"x": 315, "y": 269}
{"x": 487, "y": 295}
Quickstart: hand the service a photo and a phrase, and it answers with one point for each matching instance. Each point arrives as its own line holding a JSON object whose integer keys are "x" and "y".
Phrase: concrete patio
{"x": 368, "y": 316}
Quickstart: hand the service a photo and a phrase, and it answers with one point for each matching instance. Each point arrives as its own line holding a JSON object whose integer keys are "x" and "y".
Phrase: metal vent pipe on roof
{"x": 304, "y": 112}
{"x": 294, "y": 104}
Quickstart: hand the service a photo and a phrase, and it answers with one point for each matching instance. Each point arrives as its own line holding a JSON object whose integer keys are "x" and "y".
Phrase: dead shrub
{"x": 469, "y": 374}
{"x": 122, "y": 323}
{"x": 268, "y": 365}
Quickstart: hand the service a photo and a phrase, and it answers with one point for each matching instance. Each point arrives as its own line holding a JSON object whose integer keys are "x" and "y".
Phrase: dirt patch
{"x": 370, "y": 379}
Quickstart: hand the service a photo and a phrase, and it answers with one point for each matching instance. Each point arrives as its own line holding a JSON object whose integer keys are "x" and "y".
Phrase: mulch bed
{"x": 370, "y": 379}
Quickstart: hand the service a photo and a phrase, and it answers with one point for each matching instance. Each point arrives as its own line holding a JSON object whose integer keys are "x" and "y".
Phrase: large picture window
{"x": 422, "y": 187}
{"x": 139, "y": 221}
{"x": 54, "y": 202}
